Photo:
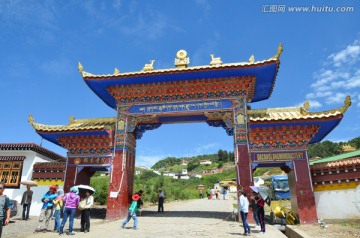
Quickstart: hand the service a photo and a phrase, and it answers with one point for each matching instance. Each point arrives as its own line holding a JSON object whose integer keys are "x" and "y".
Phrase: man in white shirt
{"x": 244, "y": 209}
{"x": 161, "y": 201}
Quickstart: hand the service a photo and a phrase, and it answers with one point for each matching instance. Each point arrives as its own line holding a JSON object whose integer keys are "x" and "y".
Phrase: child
{"x": 132, "y": 211}
{"x": 58, "y": 202}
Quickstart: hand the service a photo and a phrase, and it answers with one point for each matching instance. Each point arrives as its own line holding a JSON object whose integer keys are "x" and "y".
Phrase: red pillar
{"x": 244, "y": 174}
{"x": 69, "y": 178}
{"x": 301, "y": 192}
{"x": 117, "y": 206}
{"x": 243, "y": 167}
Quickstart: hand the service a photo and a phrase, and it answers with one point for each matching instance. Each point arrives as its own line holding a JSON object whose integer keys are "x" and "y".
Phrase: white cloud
{"x": 350, "y": 55}
{"x": 338, "y": 77}
{"x": 204, "y": 149}
{"x": 336, "y": 98}
{"x": 315, "y": 104}
{"x": 148, "y": 160}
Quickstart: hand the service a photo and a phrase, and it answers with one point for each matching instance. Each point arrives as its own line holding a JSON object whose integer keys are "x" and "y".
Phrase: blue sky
{"x": 42, "y": 41}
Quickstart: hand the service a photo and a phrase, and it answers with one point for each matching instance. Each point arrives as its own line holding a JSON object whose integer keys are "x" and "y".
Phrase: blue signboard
{"x": 181, "y": 107}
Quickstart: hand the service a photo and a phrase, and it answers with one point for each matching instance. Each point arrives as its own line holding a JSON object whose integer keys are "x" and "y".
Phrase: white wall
{"x": 16, "y": 193}
{"x": 338, "y": 204}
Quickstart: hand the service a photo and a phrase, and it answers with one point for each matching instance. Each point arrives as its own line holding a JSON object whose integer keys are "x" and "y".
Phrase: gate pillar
{"x": 301, "y": 192}
{"x": 244, "y": 177}
{"x": 122, "y": 169}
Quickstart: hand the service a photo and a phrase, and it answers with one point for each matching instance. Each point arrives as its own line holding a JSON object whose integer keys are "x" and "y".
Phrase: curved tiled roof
{"x": 295, "y": 113}
{"x": 76, "y": 125}
{"x": 33, "y": 147}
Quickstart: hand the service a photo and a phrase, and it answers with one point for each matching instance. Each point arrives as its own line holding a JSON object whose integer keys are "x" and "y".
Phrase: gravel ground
{"x": 194, "y": 218}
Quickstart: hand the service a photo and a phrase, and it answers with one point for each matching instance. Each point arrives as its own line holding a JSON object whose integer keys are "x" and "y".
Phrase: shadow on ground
{"x": 197, "y": 214}
{"x": 100, "y": 213}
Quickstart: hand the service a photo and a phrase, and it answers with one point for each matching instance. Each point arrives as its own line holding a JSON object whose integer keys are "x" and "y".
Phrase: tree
{"x": 231, "y": 156}
{"x": 222, "y": 155}
{"x": 193, "y": 164}
{"x": 355, "y": 142}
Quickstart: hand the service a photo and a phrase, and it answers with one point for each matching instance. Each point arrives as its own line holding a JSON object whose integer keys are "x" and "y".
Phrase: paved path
{"x": 194, "y": 218}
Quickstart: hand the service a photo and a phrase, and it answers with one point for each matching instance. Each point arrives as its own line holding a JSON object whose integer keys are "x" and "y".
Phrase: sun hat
{"x": 53, "y": 187}
{"x": 135, "y": 197}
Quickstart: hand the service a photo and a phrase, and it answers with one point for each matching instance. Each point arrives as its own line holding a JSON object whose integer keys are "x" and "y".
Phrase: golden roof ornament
{"x": 80, "y": 68}
{"x": 215, "y": 61}
{"x": 72, "y": 119}
{"x": 31, "y": 119}
{"x": 149, "y": 67}
{"x": 347, "y": 103}
{"x": 306, "y": 105}
{"x": 279, "y": 51}
{"x": 181, "y": 61}
{"x": 116, "y": 71}
{"x": 252, "y": 59}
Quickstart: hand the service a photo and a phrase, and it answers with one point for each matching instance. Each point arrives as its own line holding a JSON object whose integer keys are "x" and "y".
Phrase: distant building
{"x": 185, "y": 161}
{"x": 197, "y": 175}
{"x": 142, "y": 167}
{"x": 138, "y": 172}
{"x": 183, "y": 172}
{"x": 29, "y": 161}
{"x": 184, "y": 176}
{"x": 157, "y": 172}
{"x": 206, "y": 162}
{"x": 336, "y": 185}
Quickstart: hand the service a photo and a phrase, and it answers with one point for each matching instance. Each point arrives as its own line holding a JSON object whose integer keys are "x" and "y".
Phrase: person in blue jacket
{"x": 47, "y": 209}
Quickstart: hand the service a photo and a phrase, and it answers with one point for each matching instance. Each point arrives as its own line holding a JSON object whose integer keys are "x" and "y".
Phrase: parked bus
{"x": 280, "y": 187}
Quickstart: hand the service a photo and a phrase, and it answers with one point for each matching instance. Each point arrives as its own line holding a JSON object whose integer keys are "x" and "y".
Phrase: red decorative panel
{"x": 200, "y": 88}
{"x": 86, "y": 142}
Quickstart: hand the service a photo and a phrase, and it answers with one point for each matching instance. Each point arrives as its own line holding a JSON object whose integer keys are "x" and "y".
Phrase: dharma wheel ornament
{"x": 181, "y": 61}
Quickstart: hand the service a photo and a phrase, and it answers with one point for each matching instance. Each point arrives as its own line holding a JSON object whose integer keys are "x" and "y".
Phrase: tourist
{"x": 217, "y": 193}
{"x": 46, "y": 209}
{"x": 212, "y": 193}
{"x": 72, "y": 200}
{"x": 201, "y": 194}
{"x": 260, "y": 212}
{"x": 85, "y": 213}
{"x": 58, "y": 202}
{"x": 208, "y": 193}
{"x": 254, "y": 208}
{"x": 132, "y": 211}
{"x": 224, "y": 192}
{"x": 26, "y": 202}
{"x": 4, "y": 208}
{"x": 161, "y": 201}
{"x": 244, "y": 210}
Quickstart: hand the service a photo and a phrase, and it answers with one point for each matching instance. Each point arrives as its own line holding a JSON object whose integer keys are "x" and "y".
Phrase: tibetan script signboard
{"x": 278, "y": 156}
{"x": 90, "y": 161}
{"x": 181, "y": 107}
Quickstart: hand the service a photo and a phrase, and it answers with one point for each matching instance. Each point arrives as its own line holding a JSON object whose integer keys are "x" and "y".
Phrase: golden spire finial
{"x": 31, "y": 119}
{"x": 252, "y": 59}
{"x": 347, "y": 103}
{"x": 80, "y": 68}
{"x": 72, "y": 119}
{"x": 116, "y": 71}
{"x": 279, "y": 51}
{"x": 306, "y": 105}
{"x": 149, "y": 67}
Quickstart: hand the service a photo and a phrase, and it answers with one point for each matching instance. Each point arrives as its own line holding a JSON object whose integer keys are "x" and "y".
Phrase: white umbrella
{"x": 263, "y": 193}
{"x": 86, "y": 188}
{"x": 29, "y": 183}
